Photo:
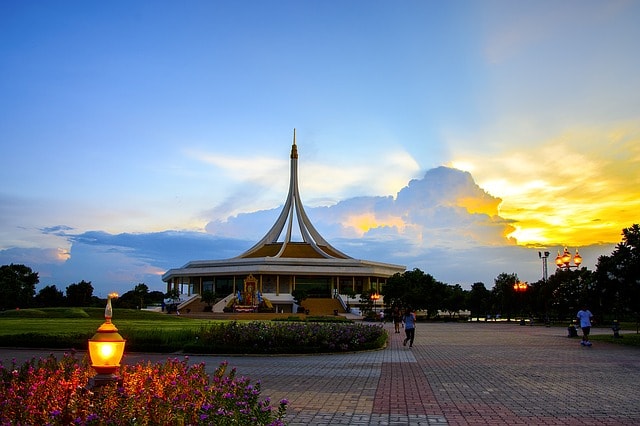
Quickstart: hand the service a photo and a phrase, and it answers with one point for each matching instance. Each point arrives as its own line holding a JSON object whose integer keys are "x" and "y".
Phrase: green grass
{"x": 61, "y": 321}
{"x": 144, "y": 331}
{"x": 627, "y": 339}
{"x": 66, "y": 328}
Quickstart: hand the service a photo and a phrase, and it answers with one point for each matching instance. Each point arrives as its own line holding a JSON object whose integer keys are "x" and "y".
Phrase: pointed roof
{"x": 313, "y": 245}
{"x": 313, "y": 256}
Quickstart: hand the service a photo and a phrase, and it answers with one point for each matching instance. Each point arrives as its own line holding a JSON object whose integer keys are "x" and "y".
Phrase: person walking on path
{"x": 409, "y": 320}
{"x": 397, "y": 319}
{"x": 584, "y": 316}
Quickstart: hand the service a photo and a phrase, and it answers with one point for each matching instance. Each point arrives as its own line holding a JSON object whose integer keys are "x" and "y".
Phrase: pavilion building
{"x": 277, "y": 265}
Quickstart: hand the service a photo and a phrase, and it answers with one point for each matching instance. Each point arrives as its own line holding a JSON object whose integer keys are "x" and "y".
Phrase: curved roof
{"x": 311, "y": 256}
{"x": 313, "y": 244}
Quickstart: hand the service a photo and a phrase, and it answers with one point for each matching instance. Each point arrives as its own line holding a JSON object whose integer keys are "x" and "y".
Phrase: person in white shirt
{"x": 584, "y": 317}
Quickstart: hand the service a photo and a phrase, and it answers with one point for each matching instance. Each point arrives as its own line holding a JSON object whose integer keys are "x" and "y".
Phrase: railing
{"x": 342, "y": 302}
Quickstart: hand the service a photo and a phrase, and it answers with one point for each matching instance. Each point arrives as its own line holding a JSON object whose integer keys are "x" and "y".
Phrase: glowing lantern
{"x": 563, "y": 260}
{"x": 106, "y": 349}
{"x": 520, "y": 286}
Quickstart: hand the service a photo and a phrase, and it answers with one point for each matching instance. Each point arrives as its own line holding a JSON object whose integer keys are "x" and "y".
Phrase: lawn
{"x": 63, "y": 321}
{"x": 70, "y": 328}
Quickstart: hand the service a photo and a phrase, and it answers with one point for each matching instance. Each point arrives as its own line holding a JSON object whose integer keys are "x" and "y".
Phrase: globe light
{"x": 106, "y": 349}
{"x": 563, "y": 260}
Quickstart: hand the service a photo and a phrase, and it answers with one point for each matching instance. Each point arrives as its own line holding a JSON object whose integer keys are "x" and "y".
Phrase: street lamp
{"x": 520, "y": 288}
{"x": 563, "y": 260}
{"x": 106, "y": 348}
{"x": 375, "y": 297}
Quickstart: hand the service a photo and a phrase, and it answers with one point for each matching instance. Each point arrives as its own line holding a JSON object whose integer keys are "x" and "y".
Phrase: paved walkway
{"x": 456, "y": 374}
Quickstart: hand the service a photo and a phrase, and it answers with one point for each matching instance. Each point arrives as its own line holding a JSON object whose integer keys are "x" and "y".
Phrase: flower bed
{"x": 286, "y": 337}
{"x": 53, "y": 392}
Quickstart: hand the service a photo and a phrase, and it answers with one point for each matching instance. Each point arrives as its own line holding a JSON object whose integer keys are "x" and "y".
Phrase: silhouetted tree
{"x": 416, "y": 290}
{"x": 455, "y": 299}
{"x": 503, "y": 295}
{"x": 478, "y": 300}
{"x": 50, "y": 296}
{"x": 17, "y": 286}
{"x": 80, "y": 294}
{"x": 618, "y": 276}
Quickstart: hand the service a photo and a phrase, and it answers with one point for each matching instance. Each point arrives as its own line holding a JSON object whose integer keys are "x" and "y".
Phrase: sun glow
{"x": 367, "y": 221}
{"x": 584, "y": 198}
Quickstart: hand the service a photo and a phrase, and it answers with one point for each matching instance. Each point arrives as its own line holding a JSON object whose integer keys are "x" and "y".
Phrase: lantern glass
{"x": 577, "y": 259}
{"x": 559, "y": 260}
{"x": 106, "y": 356}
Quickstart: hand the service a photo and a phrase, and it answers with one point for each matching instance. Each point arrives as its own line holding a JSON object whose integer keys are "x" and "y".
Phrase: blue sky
{"x": 139, "y": 136}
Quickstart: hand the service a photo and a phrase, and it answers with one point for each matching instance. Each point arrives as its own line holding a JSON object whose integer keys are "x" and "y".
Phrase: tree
{"x": 80, "y": 294}
{"x": 208, "y": 297}
{"x": 503, "y": 295}
{"x": 416, "y": 290}
{"x": 478, "y": 300}
{"x": 299, "y": 295}
{"x": 141, "y": 292}
{"x": 173, "y": 295}
{"x": 618, "y": 275}
{"x": 366, "y": 301}
{"x": 17, "y": 286}
{"x": 49, "y": 296}
{"x": 349, "y": 292}
{"x": 455, "y": 300}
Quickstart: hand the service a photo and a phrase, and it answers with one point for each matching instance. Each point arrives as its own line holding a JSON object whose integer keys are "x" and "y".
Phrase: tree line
{"x": 612, "y": 291}
{"x": 18, "y": 290}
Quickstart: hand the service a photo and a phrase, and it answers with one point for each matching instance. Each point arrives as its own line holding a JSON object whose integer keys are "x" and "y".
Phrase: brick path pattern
{"x": 456, "y": 374}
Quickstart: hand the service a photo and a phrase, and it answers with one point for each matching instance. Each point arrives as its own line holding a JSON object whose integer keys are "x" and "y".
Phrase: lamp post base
{"x": 102, "y": 379}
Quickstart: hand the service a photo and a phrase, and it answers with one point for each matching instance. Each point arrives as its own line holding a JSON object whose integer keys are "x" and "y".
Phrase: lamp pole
{"x": 520, "y": 288}
{"x": 563, "y": 261}
{"x": 544, "y": 256}
{"x": 375, "y": 297}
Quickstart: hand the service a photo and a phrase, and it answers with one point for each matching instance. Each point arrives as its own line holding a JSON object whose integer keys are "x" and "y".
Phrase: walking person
{"x": 409, "y": 320}
{"x": 397, "y": 319}
{"x": 584, "y": 316}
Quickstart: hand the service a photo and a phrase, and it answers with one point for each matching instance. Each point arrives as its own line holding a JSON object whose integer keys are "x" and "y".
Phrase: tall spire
{"x": 294, "y": 147}
{"x": 293, "y": 210}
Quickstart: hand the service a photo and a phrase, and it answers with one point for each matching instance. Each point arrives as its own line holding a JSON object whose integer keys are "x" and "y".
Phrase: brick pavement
{"x": 456, "y": 374}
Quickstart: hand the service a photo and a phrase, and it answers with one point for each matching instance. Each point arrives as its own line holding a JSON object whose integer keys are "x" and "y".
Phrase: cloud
{"x": 445, "y": 206}
{"x": 443, "y": 223}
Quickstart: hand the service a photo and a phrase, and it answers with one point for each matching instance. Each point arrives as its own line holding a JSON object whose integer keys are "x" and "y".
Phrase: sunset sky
{"x": 456, "y": 137}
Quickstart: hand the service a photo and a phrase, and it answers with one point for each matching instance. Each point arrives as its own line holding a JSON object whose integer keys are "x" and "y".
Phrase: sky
{"x": 461, "y": 138}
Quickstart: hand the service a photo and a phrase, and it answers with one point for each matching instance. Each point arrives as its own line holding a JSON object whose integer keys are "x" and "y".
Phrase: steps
{"x": 322, "y": 306}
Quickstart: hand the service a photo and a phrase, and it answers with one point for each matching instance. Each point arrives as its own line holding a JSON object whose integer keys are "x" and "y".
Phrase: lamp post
{"x": 106, "y": 348}
{"x": 544, "y": 256}
{"x": 520, "y": 288}
{"x": 563, "y": 260}
{"x": 375, "y": 297}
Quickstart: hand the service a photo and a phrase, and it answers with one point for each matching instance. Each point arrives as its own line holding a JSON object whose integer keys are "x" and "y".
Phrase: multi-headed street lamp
{"x": 375, "y": 297}
{"x": 563, "y": 260}
{"x": 520, "y": 288}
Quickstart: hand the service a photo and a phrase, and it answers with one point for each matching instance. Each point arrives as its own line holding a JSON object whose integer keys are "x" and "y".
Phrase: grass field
{"x": 62, "y": 321}
{"x": 145, "y": 331}
{"x": 69, "y": 328}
